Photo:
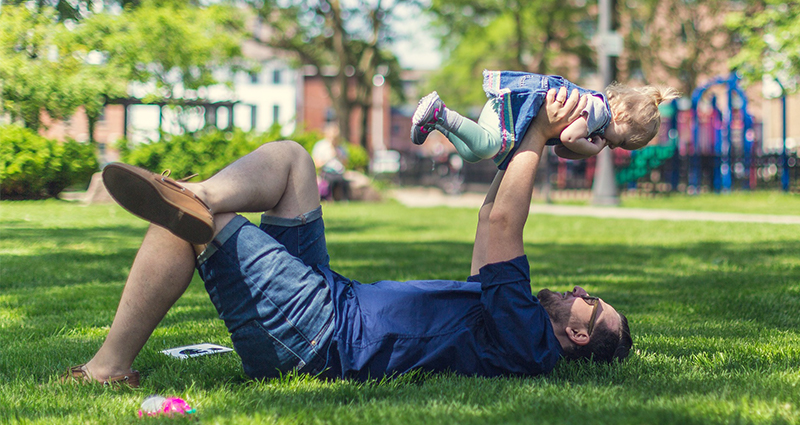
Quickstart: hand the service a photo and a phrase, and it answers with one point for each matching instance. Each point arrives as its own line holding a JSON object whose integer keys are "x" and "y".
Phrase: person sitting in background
{"x": 330, "y": 159}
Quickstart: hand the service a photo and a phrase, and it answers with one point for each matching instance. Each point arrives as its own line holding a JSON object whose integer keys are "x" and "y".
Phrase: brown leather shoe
{"x": 160, "y": 200}
{"x": 80, "y": 374}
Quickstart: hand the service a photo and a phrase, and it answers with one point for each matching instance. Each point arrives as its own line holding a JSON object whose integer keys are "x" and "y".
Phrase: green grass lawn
{"x": 764, "y": 202}
{"x": 757, "y": 202}
{"x": 714, "y": 308}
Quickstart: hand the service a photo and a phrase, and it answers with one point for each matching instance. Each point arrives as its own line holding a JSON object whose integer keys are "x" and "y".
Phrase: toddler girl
{"x": 628, "y": 118}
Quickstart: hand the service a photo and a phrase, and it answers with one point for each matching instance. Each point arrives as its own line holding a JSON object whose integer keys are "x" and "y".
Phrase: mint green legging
{"x": 476, "y": 141}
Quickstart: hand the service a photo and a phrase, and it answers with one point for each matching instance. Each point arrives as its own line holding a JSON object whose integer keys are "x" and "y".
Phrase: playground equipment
{"x": 708, "y": 143}
{"x": 731, "y": 131}
{"x": 717, "y": 151}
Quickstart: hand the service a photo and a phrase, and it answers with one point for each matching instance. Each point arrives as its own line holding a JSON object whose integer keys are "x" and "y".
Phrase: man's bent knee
{"x": 220, "y": 221}
{"x": 289, "y": 148}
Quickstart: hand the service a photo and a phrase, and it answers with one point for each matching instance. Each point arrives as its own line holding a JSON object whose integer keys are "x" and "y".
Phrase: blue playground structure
{"x": 706, "y": 147}
{"x": 732, "y": 125}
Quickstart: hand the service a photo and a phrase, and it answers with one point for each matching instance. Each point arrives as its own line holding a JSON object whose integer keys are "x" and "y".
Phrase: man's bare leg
{"x": 278, "y": 177}
{"x": 160, "y": 274}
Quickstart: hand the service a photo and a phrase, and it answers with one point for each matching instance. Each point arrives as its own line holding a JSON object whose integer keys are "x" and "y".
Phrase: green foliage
{"x": 208, "y": 151}
{"x": 771, "y": 45}
{"x": 351, "y": 39}
{"x": 678, "y": 40}
{"x": 460, "y": 81}
{"x": 29, "y": 81}
{"x": 357, "y": 157}
{"x": 305, "y": 138}
{"x": 33, "y": 167}
{"x": 70, "y": 10}
{"x": 181, "y": 45}
{"x": 78, "y": 164}
{"x": 506, "y": 35}
{"x": 204, "y": 152}
{"x": 48, "y": 66}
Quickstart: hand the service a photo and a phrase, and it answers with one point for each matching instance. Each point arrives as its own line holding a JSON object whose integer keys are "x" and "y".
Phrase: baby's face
{"x": 617, "y": 135}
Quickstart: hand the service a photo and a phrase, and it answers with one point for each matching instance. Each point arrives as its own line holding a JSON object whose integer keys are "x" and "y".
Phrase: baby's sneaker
{"x": 430, "y": 111}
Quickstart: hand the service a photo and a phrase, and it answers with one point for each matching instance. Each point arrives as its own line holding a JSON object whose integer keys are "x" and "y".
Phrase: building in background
{"x": 253, "y": 101}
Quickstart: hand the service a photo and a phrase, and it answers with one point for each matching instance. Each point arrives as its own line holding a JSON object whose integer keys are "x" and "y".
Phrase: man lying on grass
{"x": 286, "y": 309}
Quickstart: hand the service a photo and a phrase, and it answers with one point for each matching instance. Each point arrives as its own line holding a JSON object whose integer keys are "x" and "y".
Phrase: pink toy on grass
{"x": 157, "y": 405}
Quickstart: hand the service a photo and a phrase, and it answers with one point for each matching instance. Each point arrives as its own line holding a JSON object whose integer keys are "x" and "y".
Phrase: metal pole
{"x": 604, "y": 187}
{"x": 784, "y": 155}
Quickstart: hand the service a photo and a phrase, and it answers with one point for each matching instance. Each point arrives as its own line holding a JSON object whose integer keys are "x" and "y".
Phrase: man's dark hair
{"x": 605, "y": 345}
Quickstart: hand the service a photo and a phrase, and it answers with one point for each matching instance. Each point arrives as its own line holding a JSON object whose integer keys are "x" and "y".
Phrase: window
{"x": 253, "y": 77}
{"x": 276, "y": 76}
{"x": 276, "y": 114}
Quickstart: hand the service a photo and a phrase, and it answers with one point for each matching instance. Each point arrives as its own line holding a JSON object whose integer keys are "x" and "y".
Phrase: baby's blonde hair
{"x": 638, "y": 107}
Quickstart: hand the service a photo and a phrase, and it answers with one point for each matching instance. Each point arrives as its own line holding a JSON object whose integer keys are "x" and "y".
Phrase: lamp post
{"x": 772, "y": 88}
{"x": 609, "y": 45}
{"x": 784, "y": 154}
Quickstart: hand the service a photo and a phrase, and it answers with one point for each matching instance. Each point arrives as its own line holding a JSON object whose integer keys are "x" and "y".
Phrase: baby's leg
{"x": 461, "y": 147}
{"x": 482, "y": 139}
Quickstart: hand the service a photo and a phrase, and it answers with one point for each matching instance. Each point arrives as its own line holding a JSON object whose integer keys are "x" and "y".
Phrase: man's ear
{"x": 578, "y": 337}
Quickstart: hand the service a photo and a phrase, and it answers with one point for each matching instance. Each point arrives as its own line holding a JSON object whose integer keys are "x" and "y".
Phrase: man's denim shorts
{"x": 265, "y": 284}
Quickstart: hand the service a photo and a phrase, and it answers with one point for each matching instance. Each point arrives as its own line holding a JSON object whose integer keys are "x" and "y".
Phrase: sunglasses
{"x": 594, "y": 302}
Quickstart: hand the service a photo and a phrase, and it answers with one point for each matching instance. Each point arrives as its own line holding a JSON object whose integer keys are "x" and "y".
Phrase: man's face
{"x": 572, "y": 307}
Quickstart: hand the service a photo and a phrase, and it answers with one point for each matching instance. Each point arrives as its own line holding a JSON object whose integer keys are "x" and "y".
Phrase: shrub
{"x": 208, "y": 151}
{"x": 33, "y": 167}
{"x": 204, "y": 152}
{"x": 357, "y": 157}
{"x": 78, "y": 163}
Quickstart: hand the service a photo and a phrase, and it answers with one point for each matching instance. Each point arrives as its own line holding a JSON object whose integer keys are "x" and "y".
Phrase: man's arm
{"x": 479, "y": 249}
{"x": 503, "y": 216}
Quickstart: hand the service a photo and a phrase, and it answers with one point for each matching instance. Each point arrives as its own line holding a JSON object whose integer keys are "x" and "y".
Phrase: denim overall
{"x": 520, "y": 95}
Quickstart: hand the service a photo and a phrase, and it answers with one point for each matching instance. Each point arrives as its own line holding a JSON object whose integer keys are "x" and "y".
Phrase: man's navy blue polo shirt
{"x": 489, "y": 325}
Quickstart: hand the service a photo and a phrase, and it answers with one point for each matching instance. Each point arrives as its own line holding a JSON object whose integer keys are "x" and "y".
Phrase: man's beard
{"x": 551, "y": 301}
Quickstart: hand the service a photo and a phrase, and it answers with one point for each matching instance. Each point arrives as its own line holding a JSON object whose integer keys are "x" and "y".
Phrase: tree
{"x": 680, "y": 40}
{"x": 770, "y": 37}
{"x": 347, "y": 38}
{"x": 76, "y": 10}
{"x": 29, "y": 76}
{"x": 542, "y": 36}
{"x": 170, "y": 48}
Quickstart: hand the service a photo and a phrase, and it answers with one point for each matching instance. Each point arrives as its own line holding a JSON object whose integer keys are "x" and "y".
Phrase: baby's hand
{"x": 599, "y": 141}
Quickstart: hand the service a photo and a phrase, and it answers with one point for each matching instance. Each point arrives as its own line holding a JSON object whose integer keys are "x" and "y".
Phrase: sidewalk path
{"x": 431, "y": 197}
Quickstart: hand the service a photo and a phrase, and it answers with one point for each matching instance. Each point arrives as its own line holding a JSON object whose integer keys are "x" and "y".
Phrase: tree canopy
{"x": 542, "y": 36}
{"x": 770, "y": 42}
{"x": 685, "y": 41}
{"x": 347, "y": 41}
{"x": 52, "y": 65}
{"x": 36, "y": 73}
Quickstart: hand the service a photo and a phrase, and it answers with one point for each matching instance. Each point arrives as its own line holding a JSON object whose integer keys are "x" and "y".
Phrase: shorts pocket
{"x": 263, "y": 354}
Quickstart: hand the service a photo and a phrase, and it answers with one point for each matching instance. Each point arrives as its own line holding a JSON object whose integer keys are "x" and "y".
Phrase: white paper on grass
{"x": 195, "y": 350}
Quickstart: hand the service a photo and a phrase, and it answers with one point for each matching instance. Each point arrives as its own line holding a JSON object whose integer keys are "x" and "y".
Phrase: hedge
{"x": 34, "y": 167}
{"x": 208, "y": 151}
